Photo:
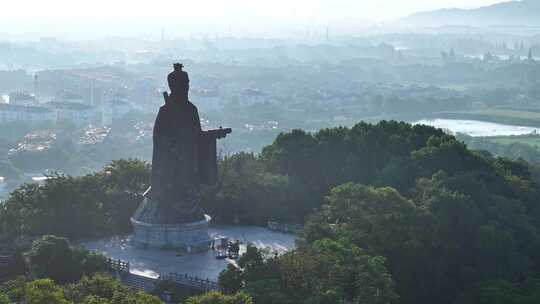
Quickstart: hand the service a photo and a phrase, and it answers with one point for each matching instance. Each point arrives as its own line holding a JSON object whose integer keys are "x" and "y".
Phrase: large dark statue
{"x": 184, "y": 156}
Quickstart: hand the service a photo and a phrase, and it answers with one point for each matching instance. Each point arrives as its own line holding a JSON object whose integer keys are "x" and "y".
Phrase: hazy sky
{"x": 66, "y": 15}
{"x": 373, "y": 9}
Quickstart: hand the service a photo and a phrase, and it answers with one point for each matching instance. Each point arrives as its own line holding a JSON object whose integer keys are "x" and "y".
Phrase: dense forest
{"x": 76, "y": 207}
{"x": 392, "y": 213}
{"x": 452, "y": 225}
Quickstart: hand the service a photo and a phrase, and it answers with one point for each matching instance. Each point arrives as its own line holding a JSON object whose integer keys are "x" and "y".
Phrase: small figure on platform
{"x": 234, "y": 250}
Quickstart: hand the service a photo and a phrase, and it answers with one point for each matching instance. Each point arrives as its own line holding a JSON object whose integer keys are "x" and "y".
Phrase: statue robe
{"x": 175, "y": 160}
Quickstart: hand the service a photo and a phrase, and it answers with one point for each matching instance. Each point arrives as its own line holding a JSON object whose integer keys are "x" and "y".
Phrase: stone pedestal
{"x": 188, "y": 237}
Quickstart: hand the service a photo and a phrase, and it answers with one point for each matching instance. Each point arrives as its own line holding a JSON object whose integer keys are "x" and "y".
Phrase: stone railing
{"x": 195, "y": 282}
{"x": 117, "y": 265}
{"x": 283, "y": 227}
{"x": 134, "y": 280}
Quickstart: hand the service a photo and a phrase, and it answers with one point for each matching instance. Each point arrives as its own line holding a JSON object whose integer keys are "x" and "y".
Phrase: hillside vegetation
{"x": 392, "y": 212}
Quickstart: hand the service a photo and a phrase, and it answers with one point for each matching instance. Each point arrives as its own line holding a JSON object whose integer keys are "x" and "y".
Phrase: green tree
{"x": 247, "y": 194}
{"x": 95, "y": 300}
{"x": 219, "y": 298}
{"x": 76, "y": 207}
{"x": 4, "y": 299}
{"x": 92, "y": 262}
{"x": 230, "y": 280}
{"x": 504, "y": 292}
{"x": 101, "y": 286}
{"x": 105, "y": 289}
{"x": 328, "y": 270}
{"x": 14, "y": 289}
{"x": 100, "y": 289}
{"x": 52, "y": 257}
{"x": 268, "y": 291}
{"x": 44, "y": 291}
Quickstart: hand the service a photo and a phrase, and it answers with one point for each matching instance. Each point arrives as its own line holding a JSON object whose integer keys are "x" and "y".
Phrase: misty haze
{"x": 270, "y": 151}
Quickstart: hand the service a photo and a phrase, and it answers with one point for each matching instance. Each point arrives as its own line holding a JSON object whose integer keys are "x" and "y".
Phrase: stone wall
{"x": 190, "y": 237}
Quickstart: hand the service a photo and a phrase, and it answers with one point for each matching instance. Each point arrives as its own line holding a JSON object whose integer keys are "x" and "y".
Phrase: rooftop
{"x": 20, "y": 95}
{"x": 28, "y": 109}
{"x": 64, "y": 94}
{"x": 75, "y": 106}
{"x": 92, "y": 136}
{"x": 35, "y": 141}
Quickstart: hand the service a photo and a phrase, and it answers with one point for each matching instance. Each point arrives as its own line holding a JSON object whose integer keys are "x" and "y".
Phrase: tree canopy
{"x": 76, "y": 207}
{"x": 392, "y": 212}
{"x": 448, "y": 224}
{"x": 100, "y": 289}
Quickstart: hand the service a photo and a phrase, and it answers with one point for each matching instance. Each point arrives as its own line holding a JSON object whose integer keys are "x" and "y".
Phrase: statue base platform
{"x": 187, "y": 237}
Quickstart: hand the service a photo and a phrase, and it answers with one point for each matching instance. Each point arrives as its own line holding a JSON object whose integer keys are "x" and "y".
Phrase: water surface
{"x": 477, "y": 128}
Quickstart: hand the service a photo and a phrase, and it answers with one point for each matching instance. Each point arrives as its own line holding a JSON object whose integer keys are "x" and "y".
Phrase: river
{"x": 478, "y": 128}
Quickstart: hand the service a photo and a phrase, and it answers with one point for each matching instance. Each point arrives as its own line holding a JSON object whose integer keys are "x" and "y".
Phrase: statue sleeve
{"x": 207, "y": 159}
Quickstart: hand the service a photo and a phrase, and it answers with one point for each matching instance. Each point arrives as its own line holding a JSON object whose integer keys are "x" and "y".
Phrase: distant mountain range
{"x": 513, "y": 13}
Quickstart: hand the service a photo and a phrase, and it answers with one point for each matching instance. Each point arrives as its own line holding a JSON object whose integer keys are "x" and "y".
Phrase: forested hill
{"x": 526, "y": 12}
{"x": 392, "y": 212}
{"x": 454, "y": 225}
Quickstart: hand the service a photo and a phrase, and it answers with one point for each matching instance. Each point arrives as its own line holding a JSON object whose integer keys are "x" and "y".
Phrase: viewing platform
{"x": 153, "y": 262}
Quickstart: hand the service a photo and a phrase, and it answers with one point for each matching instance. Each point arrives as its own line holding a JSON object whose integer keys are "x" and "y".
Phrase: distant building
{"x": 22, "y": 99}
{"x": 150, "y": 97}
{"x": 115, "y": 109}
{"x": 93, "y": 136}
{"x": 11, "y": 113}
{"x": 144, "y": 130}
{"x": 77, "y": 113}
{"x": 67, "y": 96}
{"x": 35, "y": 142}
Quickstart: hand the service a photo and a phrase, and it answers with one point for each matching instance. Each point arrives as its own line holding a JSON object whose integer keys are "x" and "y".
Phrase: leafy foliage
{"x": 53, "y": 257}
{"x": 98, "y": 289}
{"x": 219, "y": 298}
{"x": 76, "y": 207}
{"x": 323, "y": 272}
{"x": 4, "y": 299}
{"x": 447, "y": 220}
{"x": 454, "y": 232}
{"x": 393, "y": 212}
{"x": 248, "y": 194}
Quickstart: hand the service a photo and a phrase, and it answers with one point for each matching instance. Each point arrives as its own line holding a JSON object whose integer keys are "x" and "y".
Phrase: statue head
{"x": 178, "y": 81}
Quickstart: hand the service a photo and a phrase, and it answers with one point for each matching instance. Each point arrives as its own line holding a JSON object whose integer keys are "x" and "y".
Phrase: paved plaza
{"x": 151, "y": 262}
